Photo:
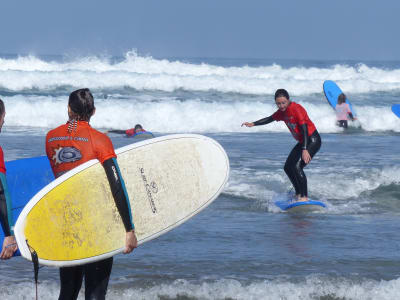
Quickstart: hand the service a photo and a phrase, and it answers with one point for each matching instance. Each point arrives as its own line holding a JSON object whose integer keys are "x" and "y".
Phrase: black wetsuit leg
{"x": 97, "y": 275}
{"x": 342, "y": 123}
{"x": 290, "y": 168}
{"x": 71, "y": 282}
{"x": 294, "y": 164}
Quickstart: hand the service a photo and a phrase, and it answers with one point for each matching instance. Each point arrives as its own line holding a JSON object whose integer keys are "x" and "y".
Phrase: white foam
{"x": 147, "y": 73}
{"x": 169, "y": 115}
{"x": 313, "y": 287}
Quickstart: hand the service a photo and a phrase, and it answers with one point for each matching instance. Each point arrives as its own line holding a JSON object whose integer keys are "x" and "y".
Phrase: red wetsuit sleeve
{"x": 2, "y": 164}
{"x": 130, "y": 132}
{"x": 277, "y": 116}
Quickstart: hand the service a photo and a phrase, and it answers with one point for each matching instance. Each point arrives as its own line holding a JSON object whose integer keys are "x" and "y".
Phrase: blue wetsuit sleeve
{"x": 6, "y": 217}
{"x": 263, "y": 121}
{"x": 118, "y": 190}
{"x": 351, "y": 116}
{"x": 304, "y": 130}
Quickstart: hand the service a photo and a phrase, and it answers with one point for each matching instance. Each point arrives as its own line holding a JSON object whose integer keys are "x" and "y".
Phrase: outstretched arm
{"x": 116, "y": 131}
{"x": 263, "y": 121}
{"x": 121, "y": 199}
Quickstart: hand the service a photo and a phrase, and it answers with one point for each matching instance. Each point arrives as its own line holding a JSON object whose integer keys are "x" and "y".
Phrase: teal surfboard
{"x": 332, "y": 92}
{"x": 25, "y": 177}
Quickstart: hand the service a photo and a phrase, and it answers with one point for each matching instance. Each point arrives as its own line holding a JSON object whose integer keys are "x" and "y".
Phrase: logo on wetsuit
{"x": 66, "y": 155}
{"x": 291, "y": 126}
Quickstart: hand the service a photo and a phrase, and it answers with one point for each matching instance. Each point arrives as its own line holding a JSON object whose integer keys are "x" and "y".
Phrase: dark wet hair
{"x": 281, "y": 93}
{"x": 341, "y": 99}
{"x": 138, "y": 126}
{"x": 2, "y": 107}
{"x": 81, "y": 103}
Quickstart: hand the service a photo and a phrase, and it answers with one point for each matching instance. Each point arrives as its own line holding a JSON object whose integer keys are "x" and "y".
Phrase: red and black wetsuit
{"x": 300, "y": 125}
{"x": 67, "y": 147}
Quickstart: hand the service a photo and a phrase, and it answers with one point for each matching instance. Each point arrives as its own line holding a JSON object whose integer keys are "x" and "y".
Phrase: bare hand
{"x": 130, "y": 242}
{"x": 9, "y": 247}
{"x": 248, "y": 124}
{"x": 305, "y": 155}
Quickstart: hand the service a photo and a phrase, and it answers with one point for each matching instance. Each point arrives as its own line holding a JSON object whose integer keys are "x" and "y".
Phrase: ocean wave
{"x": 27, "y": 73}
{"x": 170, "y": 115}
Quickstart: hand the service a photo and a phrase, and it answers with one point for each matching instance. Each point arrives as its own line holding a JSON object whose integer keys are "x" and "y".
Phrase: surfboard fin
{"x": 35, "y": 262}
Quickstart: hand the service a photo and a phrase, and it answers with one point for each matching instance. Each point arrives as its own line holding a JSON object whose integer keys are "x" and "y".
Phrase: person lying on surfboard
{"x": 304, "y": 131}
{"x": 138, "y": 129}
{"x": 6, "y": 218}
{"x": 67, "y": 147}
{"x": 343, "y": 112}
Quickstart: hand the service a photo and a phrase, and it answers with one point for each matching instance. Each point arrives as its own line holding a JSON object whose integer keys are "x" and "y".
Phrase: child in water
{"x": 304, "y": 131}
{"x": 343, "y": 112}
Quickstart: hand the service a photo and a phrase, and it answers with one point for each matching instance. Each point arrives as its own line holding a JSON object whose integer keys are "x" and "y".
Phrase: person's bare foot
{"x": 302, "y": 199}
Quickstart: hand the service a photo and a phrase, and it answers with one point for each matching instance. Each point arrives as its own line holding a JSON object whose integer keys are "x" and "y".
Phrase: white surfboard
{"x": 169, "y": 179}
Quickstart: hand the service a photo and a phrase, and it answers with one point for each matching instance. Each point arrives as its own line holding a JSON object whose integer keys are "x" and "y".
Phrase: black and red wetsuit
{"x": 304, "y": 131}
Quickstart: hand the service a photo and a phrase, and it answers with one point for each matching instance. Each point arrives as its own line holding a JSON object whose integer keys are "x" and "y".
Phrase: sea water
{"x": 242, "y": 246}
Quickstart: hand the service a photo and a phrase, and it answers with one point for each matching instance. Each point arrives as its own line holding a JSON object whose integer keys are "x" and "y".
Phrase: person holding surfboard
{"x": 343, "y": 111}
{"x": 303, "y": 130}
{"x": 67, "y": 147}
{"x": 6, "y": 218}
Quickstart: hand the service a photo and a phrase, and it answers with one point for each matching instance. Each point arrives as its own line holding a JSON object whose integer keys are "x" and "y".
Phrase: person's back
{"x": 342, "y": 111}
{"x": 75, "y": 143}
{"x": 67, "y": 147}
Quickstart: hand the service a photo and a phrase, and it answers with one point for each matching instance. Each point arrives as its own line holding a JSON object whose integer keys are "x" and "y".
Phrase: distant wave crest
{"x": 26, "y": 73}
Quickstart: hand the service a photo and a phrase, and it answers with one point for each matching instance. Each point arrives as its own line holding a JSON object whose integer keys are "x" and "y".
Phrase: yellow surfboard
{"x": 169, "y": 179}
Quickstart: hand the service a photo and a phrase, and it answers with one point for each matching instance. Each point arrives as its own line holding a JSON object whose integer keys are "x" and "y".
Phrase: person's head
{"x": 341, "y": 99}
{"x": 138, "y": 127}
{"x": 2, "y": 113}
{"x": 81, "y": 105}
{"x": 282, "y": 99}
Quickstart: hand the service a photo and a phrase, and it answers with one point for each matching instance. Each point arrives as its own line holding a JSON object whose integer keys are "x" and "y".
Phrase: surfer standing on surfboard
{"x": 6, "y": 219}
{"x": 67, "y": 147}
{"x": 303, "y": 130}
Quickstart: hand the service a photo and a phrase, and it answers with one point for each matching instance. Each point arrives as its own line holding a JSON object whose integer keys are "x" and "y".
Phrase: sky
{"x": 283, "y": 29}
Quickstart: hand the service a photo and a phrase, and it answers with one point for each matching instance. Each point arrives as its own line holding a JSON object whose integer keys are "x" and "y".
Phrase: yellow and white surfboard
{"x": 169, "y": 179}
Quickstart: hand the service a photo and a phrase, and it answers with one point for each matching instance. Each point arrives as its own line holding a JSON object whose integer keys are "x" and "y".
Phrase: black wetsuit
{"x": 294, "y": 163}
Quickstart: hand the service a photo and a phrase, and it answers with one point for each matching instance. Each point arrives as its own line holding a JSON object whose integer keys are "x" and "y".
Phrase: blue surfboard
{"x": 332, "y": 92}
{"x": 286, "y": 203}
{"x": 143, "y": 135}
{"x": 396, "y": 109}
{"x": 25, "y": 177}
